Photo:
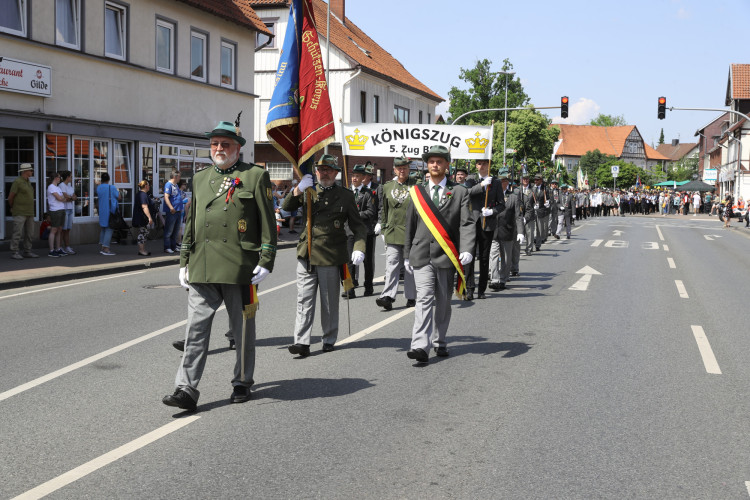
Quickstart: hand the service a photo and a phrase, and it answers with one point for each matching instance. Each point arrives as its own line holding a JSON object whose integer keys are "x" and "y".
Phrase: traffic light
{"x": 662, "y": 108}
{"x": 564, "y": 106}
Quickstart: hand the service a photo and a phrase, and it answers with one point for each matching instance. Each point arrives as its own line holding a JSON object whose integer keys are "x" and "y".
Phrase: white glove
{"x": 486, "y": 181}
{"x": 407, "y": 267}
{"x": 184, "y": 278}
{"x": 377, "y": 229}
{"x": 357, "y": 257}
{"x": 306, "y": 182}
{"x": 574, "y": 217}
{"x": 521, "y": 238}
{"x": 465, "y": 258}
{"x": 486, "y": 212}
{"x": 536, "y": 207}
{"x": 260, "y": 274}
{"x": 546, "y": 204}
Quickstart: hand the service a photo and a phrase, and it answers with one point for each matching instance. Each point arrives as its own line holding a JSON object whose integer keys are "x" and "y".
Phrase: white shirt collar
{"x": 442, "y": 184}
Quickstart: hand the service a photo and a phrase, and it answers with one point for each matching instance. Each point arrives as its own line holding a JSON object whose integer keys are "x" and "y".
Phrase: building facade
{"x": 365, "y": 84}
{"x": 128, "y": 88}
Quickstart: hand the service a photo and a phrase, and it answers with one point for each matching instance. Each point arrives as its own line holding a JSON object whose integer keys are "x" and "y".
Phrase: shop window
{"x": 115, "y": 30}
{"x": 13, "y": 17}
{"x": 17, "y": 150}
{"x": 82, "y": 177}
{"x": 122, "y": 177}
{"x": 165, "y": 46}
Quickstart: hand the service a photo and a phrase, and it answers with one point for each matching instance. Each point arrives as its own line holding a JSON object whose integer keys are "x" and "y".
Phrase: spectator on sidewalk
{"x": 69, "y": 193}
{"x": 44, "y": 227}
{"x": 21, "y": 201}
{"x": 696, "y": 203}
{"x": 172, "y": 200}
{"x": 184, "y": 205}
{"x": 142, "y": 219}
{"x": 107, "y": 196}
{"x": 56, "y": 206}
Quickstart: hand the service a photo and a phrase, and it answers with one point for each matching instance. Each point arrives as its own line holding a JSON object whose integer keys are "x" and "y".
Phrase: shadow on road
{"x": 309, "y": 388}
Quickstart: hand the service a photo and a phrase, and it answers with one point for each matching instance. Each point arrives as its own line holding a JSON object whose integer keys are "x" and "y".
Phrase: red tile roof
{"x": 577, "y": 140}
{"x": 738, "y": 86}
{"x": 361, "y": 48}
{"x": 237, "y": 11}
{"x": 678, "y": 152}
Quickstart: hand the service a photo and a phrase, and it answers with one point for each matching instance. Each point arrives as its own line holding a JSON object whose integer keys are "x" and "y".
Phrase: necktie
{"x": 356, "y": 194}
{"x": 436, "y": 195}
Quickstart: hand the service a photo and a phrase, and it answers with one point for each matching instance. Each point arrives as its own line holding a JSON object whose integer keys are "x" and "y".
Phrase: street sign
{"x": 510, "y": 151}
{"x": 615, "y": 170}
{"x": 614, "y": 175}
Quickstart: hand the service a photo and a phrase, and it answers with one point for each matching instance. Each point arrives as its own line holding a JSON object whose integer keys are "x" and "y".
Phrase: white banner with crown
{"x": 473, "y": 142}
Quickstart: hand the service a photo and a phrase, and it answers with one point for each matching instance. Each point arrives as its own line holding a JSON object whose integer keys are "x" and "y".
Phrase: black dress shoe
{"x": 418, "y": 354}
{"x": 469, "y": 296}
{"x": 351, "y": 294}
{"x": 368, "y": 291}
{"x": 327, "y": 347}
{"x": 441, "y": 351}
{"x": 514, "y": 273}
{"x": 494, "y": 287}
{"x": 411, "y": 303}
{"x": 538, "y": 248}
{"x": 231, "y": 345}
{"x": 528, "y": 252}
{"x": 240, "y": 394}
{"x": 180, "y": 399}
{"x": 179, "y": 345}
{"x": 385, "y": 302}
{"x": 481, "y": 295}
{"x": 568, "y": 237}
{"x": 301, "y": 350}
{"x": 501, "y": 286}
{"x": 557, "y": 236}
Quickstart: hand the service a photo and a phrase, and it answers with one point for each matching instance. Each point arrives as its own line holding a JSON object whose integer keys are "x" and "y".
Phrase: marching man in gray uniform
{"x": 229, "y": 246}
{"x": 322, "y": 267}
{"x": 392, "y": 225}
{"x": 440, "y": 236}
{"x": 529, "y": 207}
{"x": 509, "y": 227}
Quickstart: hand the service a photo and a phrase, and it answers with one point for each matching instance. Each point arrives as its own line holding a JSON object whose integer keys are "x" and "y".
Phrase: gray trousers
{"x": 394, "y": 262}
{"x": 501, "y": 257}
{"x": 23, "y": 228}
{"x": 328, "y": 279}
{"x": 529, "y": 229}
{"x": 542, "y": 229}
{"x": 516, "y": 259}
{"x": 204, "y": 299}
{"x": 432, "y": 315}
{"x": 560, "y": 222}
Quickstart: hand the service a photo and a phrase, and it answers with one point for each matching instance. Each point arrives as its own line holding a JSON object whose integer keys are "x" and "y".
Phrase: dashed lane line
{"x": 73, "y": 475}
{"x": 666, "y": 248}
{"x": 658, "y": 230}
{"x": 71, "y": 284}
{"x": 672, "y": 265}
{"x": 96, "y": 357}
{"x": 709, "y": 360}
{"x": 681, "y": 289}
{"x": 376, "y": 326}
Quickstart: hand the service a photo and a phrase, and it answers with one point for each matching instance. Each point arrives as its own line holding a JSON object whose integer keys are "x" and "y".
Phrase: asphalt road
{"x": 629, "y": 383}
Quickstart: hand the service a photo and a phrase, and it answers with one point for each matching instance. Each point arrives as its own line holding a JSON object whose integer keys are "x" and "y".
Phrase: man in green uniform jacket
{"x": 322, "y": 267}
{"x": 229, "y": 246}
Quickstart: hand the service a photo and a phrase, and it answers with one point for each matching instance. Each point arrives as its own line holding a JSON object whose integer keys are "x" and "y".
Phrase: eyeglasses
{"x": 224, "y": 145}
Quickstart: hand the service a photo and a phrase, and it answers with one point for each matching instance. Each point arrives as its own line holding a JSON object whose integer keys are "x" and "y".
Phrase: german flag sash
{"x": 437, "y": 224}
{"x": 346, "y": 278}
{"x": 249, "y": 301}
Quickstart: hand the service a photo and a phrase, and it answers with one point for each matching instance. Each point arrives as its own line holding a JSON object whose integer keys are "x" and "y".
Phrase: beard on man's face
{"x": 222, "y": 159}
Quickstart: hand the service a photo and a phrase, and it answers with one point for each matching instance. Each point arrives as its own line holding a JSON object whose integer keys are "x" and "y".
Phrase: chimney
{"x": 338, "y": 9}
{"x": 675, "y": 142}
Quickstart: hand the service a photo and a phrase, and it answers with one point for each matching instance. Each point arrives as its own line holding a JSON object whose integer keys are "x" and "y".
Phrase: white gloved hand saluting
{"x": 357, "y": 257}
{"x": 306, "y": 182}
{"x": 520, "y": 238}
{"x": 260, "y": 273}
{"x": 486, "y": 212}
{"x": 377, "y": 229}
{"x": 465, "y": 258}
{"x": 486, "y": 181}
{"x": 184, "y": 278}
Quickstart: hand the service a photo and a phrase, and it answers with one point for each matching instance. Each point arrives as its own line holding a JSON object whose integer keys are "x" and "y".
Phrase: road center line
{"x": 72, "y": 284}
{"x": 376, "y": 326}
{"x": 96, "y": 357}
{"x": 596, "y": 243}
{"x": 681, "y": 289}
{"x": 671, "y": 263}
{"x": 658, "y": 230}
{"x": 71, "y": 476}
{"x": 666, "y": 248}
{"x": 747, "y": 485}
{"x": 709, "y": 360}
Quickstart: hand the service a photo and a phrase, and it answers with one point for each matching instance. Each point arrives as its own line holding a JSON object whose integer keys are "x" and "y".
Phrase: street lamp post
{"x": 505, "y": 120}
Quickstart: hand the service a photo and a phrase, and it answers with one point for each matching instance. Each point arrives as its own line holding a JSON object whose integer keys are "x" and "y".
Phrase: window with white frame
{"x": 122, "y": 176}
{"x": 198, "y": 56}
{"x": 115, "y": 30}
{"x": 227, "y": 64}
{"x": 280, "y": 171}
{"x": 262, "y": 38}
{"x": 68, "y": 23}
{"x": 13, "y": 16}
{"x": 165, "y": 46}
{"x": 400, "y": 115}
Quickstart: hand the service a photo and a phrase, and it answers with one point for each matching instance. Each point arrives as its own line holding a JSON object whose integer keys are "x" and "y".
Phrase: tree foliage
{"x": 626, "y": 178}
{"x": 608, "y": 121}
{"x": 661, "y": 137}
{"x": 530, "y": 134}
{"x": 683, "y": 170}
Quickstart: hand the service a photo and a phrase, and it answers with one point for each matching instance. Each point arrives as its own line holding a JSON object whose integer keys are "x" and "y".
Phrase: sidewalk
{"x": 89, "y": 262}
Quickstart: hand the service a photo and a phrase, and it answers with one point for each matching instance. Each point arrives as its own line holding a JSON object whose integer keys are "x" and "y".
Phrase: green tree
{"x": 683, "y": 170}
{"x": 626, "y": 178}
{"x": 530, "y": 134}
{"x": 592, "y": 160}
{"x": 661, "y": 137}
{"x": 486, "y": 89}
{"x": 608, "y": 121}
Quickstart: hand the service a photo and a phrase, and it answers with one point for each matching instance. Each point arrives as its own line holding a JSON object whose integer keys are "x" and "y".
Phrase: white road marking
{"x": 670, "y": 260}
{"x": 596, "y": 243}
{"x": 681, "y": 289}
{"x": 666, "y": 248}
{"x": 72, "y": 284}
{"x": 617, "y": 232}
{"x": 582, "y": 284}
{"x": 709, "y": 360}
{"x": 658, "y": 230}
{"x": 708, "y": 237}
{"x": 96, "y": 357}
{"x": 650, "y": 245}
{"x": 588, "y": 270}
{"x": 617, "y": 244}
{"x": 376, "y": 326}
{"x": 747, "y": 485}
{"x": 71, "y": 476}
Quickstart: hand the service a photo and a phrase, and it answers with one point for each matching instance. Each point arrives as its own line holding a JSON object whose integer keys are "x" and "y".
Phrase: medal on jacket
{"x": 399, "y": 194}
{"x": 232, "y": 185}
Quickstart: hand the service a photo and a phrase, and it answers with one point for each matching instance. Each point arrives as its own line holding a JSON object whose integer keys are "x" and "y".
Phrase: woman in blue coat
{"x": 108, "y": 197}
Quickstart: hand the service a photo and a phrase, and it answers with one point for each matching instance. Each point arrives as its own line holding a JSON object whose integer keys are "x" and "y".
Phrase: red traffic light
{"x": 662, "y": 108}
{"x": 564, "y": 106}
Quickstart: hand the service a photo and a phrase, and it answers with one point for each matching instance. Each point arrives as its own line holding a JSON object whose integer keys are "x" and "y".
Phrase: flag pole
{"x": 489, "y": 173}
{"x": 343, "y": 155}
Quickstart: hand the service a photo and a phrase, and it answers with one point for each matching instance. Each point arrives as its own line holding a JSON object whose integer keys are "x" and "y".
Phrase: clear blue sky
{"x": 609, "y": 57}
